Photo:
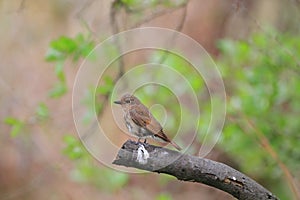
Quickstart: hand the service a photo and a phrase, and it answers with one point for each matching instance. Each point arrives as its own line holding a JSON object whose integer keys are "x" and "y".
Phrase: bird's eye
{"x": 127, "y": 101}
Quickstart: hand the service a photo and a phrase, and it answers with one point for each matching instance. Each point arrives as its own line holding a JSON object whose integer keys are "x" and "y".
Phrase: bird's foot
{"x": 144, "y": 143}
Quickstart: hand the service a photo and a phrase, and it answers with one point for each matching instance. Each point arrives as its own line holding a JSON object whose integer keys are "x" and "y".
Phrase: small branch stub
{"x": 190, "y": 168}
{"x": 142, "y": 154}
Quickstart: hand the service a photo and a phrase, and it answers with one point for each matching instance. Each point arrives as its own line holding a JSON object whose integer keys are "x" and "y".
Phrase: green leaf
{"x": 131, "y": 3}
{"x": 74, "y": 149}
{"x": 11, "y": 120}
{"x": 107, "y": 87}
{"x": 164, "y": 196}
{"x": 42, "y": 111}
{"x": 58, "y": 90}
{"x": 226, "y": 46}
{"x": 85, "y": 46}
{"x": 64, "y": 44}
{"x": 16, "y": 125}
{"x": 59, "y": 71}
{"x": 54, "y": 55}
{"x": 60, "y": 48}
{"x": 108, "y": 80}
{"x": 16, "y": 129}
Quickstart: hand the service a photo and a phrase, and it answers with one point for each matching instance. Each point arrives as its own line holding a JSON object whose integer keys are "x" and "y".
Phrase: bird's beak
{"x": 117, "y": 102}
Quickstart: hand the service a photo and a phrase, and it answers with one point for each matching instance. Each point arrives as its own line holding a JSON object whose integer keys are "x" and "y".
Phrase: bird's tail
{"x": 176, "y": 146}
{"x": 163, "y": 138}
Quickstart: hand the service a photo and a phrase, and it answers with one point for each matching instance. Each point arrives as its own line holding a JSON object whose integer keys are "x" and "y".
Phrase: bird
{"x": 140, "y": 122}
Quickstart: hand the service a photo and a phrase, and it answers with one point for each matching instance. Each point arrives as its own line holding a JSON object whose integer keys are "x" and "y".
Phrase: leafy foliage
{"x": 59, "y": 51}
{"x": 262, "y": 78}
{"x": 87, "y": 171}
{"x": 63, "y": 47}
{"x": 18, "y": 126}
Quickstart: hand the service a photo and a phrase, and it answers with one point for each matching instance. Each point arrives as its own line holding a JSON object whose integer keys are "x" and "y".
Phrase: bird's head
{"x": 128, "y": 100}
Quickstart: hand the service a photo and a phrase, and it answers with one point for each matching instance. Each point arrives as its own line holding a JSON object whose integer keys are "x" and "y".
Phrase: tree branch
{"x": 190, "y": 168}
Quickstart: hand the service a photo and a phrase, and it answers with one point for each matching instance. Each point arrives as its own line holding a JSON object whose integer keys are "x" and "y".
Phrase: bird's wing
{"x": 154, "y": 126}
{"x": 141, "y": 117}
{"x": 162, "y": 136}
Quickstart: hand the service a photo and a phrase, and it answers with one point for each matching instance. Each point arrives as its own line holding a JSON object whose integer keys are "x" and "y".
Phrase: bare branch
{"x": 115, "y": 30}
{"x": 157, "y": 14}
{"x": 190, "y": 168}
{"x": 179, "y": 28}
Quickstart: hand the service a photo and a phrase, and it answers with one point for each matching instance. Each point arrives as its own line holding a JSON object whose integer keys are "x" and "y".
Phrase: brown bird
{"x": 140, "y": 122}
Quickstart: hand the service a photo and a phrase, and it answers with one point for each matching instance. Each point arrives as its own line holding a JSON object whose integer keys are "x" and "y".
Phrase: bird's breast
{"x": 135, "y": 129}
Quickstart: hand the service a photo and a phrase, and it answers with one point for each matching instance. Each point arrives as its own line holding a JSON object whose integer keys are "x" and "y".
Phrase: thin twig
{"x": 115, "y": 30}
{"x": 173, "y": 38}
{"x": 157, "y": 14}
{"x": 85, "y": 24}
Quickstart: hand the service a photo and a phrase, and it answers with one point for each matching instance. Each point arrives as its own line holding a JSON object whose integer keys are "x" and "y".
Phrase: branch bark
{"x": 190, "y": 168}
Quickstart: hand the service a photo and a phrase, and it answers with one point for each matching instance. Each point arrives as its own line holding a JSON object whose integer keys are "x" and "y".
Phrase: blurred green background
{"x": 255, "y": 44}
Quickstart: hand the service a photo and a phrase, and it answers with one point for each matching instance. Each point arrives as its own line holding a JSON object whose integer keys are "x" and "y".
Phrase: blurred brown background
{"x": 32, "y": 165}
